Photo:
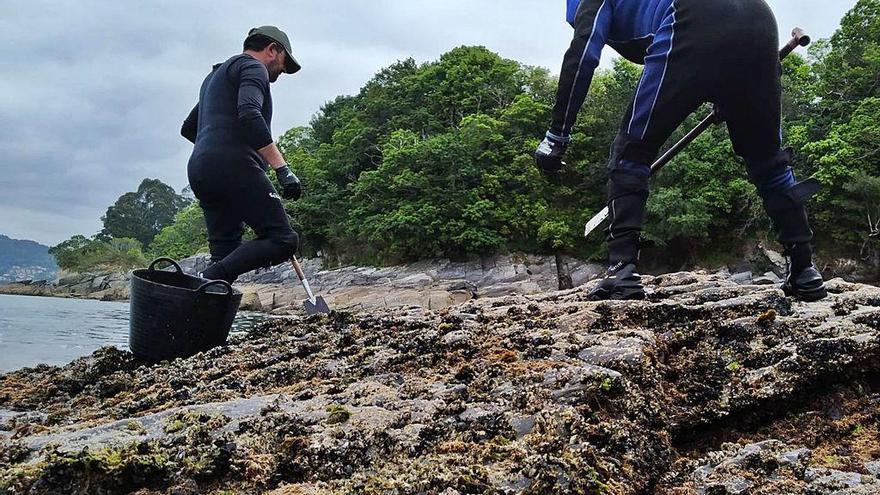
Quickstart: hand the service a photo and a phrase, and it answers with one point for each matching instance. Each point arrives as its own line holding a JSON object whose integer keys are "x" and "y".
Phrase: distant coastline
{"x": 102, "y": 286}
{"x": 22, "y": 259}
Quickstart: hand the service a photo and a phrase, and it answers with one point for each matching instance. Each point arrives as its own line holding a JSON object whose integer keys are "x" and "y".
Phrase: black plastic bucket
{"x": 177, "y": 315}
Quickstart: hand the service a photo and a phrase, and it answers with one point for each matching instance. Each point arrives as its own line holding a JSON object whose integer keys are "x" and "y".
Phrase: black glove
{"x": 549, "y": 154}
{"x": 290, "y": 185}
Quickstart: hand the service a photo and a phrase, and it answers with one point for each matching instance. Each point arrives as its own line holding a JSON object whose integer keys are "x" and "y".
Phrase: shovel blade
{"x": 596, "y": 221}
{"x": 319, "y": 307}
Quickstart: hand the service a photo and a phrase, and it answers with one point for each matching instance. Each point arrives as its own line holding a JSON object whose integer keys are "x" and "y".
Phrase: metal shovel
{"x": 313, "y": 305}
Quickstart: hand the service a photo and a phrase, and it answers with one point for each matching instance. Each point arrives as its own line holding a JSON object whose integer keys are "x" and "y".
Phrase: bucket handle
{"x": 224, "y": 283}
{"x": 169, "y": 260}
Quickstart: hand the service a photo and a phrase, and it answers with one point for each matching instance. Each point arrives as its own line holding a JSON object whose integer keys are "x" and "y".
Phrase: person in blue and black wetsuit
{"x": 230, "y": 127}
{"x": 694, "y": 51}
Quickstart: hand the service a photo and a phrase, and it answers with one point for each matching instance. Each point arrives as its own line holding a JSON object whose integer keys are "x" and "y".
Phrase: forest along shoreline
{"x": 433, "y": 160}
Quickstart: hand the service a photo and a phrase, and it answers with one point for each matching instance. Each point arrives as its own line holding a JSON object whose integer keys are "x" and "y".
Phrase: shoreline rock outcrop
{"x": 102, "y": 286}
{"x": 434, "y": 284}
{"x": 708, "y": 387}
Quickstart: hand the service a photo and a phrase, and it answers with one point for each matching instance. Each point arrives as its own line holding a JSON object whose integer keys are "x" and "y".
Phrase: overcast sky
{"x": 93, "y": 92}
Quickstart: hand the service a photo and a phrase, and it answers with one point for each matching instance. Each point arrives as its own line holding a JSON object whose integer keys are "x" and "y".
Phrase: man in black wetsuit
{"x": 230, "y": 127}
{"x": 694, "y": 51}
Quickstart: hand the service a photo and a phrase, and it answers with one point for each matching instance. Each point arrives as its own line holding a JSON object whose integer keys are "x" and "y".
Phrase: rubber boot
{"x": 621, "y": 282}
{"x": 803, "y": 280}
{"x": 789, "y": 215}
{"x": 626, "y": 207}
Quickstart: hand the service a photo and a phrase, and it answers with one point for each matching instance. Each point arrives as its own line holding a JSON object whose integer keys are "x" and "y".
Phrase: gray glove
{"x": 549, "y": 154}
{"x": 291, "y": 188}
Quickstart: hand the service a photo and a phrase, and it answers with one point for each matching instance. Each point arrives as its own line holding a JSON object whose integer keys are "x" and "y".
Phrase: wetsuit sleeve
{"x": 252, "y": 91}
{"x": 592, "y": 22}
{"x": 190, "y": 125}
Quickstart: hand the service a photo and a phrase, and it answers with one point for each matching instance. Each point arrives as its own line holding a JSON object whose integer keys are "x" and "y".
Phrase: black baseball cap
{"x": 277, "y": 35}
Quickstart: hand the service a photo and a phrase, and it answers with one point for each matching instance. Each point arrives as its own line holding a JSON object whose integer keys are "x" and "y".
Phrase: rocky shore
{"x": 102, "y": 286}
{"x": 709, "y": 387}
{"x": 434, "y": 284}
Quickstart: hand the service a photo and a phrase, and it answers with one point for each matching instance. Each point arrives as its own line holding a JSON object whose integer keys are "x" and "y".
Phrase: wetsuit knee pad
{"x": 287, "y": 243}
{"x": 792, "y": 197}
{"x": 771, "y": 174}
{"x": 628, "y": 149}
{"x": 623, "y": 182}
{"x": 786, "y": 208}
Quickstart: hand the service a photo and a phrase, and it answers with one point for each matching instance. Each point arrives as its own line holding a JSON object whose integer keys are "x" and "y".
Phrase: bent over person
{"x": 230, "y": 127}
{"x": 694, "y": 51}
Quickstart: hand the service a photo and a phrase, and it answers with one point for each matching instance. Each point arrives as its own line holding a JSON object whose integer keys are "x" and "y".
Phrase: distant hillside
{"x": 25, "y": 260}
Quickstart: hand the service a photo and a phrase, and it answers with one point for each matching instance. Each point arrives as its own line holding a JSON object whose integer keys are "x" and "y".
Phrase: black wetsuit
{"x": 229, "y": 124}
{"x": 694, "y": 51}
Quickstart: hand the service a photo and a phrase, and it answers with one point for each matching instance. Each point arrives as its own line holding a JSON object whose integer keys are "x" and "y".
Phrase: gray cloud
{"x": 94, "y": 92}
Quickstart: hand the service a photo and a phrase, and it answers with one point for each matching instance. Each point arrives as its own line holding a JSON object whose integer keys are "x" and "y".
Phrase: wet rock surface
{"x": 433, "y": 284}
{"x": 708, "y": 387}
{"x": 104, "y": 286}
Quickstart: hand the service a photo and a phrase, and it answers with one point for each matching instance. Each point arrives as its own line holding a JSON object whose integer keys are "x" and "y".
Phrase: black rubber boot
{"x": 803, "y": 280}
{"x": 621, "y": 283}
{"x": 628, "y": 194}
{"x": 786, "y": 210}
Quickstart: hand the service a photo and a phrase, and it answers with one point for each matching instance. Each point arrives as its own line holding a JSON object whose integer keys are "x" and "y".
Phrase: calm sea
{"x": 55, "y": 331}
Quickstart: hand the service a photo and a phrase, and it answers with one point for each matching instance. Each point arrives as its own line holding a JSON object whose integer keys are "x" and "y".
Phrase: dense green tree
{"x": 848, "y": 164}
{"x": 69, "y": 253}
{"x": 187, "y": 236}
{"x": 837, "y": 133}
{"x": 142, "y": 214}
{"x": 122, "y": 253}
{"x": 434, "y": 159}
{"x": 849, "y": 71}
{"x": 80, "y": 254}
{"x": 703, "y": 196}
{"x": 426, "y": 160}
{"x": 452, "y": 194}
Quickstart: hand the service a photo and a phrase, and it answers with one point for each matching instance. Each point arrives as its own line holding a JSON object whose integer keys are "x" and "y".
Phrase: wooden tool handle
{"x": 297, "y": 268}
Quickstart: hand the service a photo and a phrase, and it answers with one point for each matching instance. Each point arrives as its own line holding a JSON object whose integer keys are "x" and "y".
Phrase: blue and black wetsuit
{"x": 694, "y": 51}
{"x": 227, "y": 174}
